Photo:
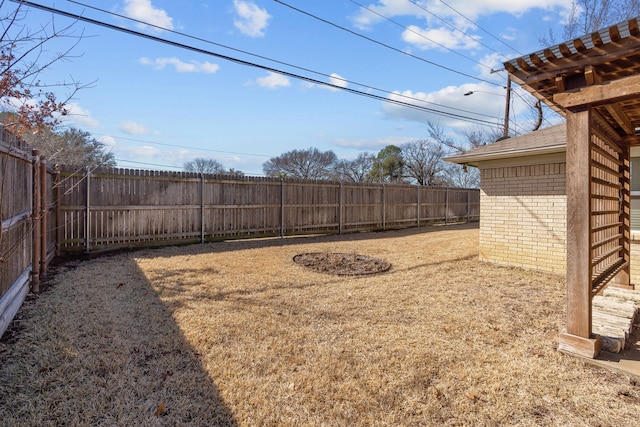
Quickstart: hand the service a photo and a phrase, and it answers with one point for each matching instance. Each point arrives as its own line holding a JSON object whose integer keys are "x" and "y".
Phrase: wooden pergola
{"x": 594, "y": 82}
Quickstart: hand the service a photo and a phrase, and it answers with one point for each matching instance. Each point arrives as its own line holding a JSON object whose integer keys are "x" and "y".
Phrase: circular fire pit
{"x": 342, "y": 264}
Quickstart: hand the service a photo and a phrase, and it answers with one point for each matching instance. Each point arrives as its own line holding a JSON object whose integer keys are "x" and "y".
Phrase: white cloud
{"x": 143, "y": 10}
{"x": 181, "y": 66}
{"x": 435, "y": 38}
{"x": 108, "y": 141}
{"x": 133, "y": 128}
{"x": 334, "y": 79}
{"x": 364, "y": 19}
{"x": 76, "y": 115}
{"x": 337, "y": 80}
{"x": 492, "y": 62}
{"x": 487, "y": 107}
{"x": 273, "y": 80}
{"x": 252, "y": 20}
{"x": 486, "y": 104}
{"x": 144, "y": 153}
{"x": 473, "y": 10}
{"x": 509, "y": 34}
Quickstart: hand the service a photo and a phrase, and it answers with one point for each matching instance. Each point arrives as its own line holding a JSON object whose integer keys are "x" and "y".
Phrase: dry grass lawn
{"x": 236, "y": 333}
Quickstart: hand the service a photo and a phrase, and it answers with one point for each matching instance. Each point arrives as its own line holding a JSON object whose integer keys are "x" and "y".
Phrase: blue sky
{"x": 157, "y": 106}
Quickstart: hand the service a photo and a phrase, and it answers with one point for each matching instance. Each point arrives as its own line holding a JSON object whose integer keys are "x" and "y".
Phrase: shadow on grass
{"x": 101, "y": 348}
{"x": 179, "y": 288}
{"x": 236, "y": 244}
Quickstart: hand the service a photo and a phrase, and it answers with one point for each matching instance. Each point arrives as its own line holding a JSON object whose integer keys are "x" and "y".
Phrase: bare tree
{"x": 423, "y": 161}
{"x": 478, "y": 137}
{"x": 207, "y": 166}
{"x": 462, "y": 177}
{"x": 23, "y": 59}
{"x": 234, "y": 172}
{"x": 306, "y": 164}
{"x": 587, "y": 16}
{"x": 72, "y": 147}
{"x": 356, "y": 170}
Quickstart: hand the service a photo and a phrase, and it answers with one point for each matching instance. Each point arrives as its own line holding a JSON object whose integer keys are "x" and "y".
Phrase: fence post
{"x": 384, "y": 207}
{"x": 281, "y": 208}
{"x": 87, "y": 220}
{"x": 201, "y": 207}
{"x": 418, "y": 207}
{"x": 35, "y": 223}
{"x": 446, "y": 206}
{"x": 59, "y": 223}
{"x": 340, "y": 209}
{"x": 468, "y": 205}
{"x": 44, "y": 210}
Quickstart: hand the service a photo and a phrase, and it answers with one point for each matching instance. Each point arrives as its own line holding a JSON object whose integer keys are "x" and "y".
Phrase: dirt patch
{"x": 342, "y": 264}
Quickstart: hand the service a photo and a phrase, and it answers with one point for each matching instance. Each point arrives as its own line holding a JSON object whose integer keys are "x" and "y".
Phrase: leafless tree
{"x": 462, "y": 177}
{"x": 423, "y": 161}
{"x": 478, "y": 137}
{"x": 356, "y": 170}
{"x": 72, "y": 147}
{"x": 24, "y": 57}
{"x": 207, "y": 166}
{"x": 306, "y": 164}
{"x": 587, "y": 16}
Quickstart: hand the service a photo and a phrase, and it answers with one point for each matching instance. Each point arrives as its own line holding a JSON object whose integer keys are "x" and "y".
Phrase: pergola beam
{"x": 614, "y": 91}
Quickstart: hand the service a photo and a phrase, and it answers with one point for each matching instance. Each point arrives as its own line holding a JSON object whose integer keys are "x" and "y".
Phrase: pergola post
{"x": 577, "y": 338}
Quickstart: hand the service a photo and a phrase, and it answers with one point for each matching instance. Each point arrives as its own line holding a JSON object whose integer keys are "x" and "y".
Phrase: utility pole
{"x": 505, "y": 133}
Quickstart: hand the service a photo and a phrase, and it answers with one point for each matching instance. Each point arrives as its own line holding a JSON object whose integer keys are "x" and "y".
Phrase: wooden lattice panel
{"x": 607, "y": 232}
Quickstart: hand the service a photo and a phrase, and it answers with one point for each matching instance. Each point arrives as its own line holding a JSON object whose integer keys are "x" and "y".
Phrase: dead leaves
{"x": 160, "y": 410}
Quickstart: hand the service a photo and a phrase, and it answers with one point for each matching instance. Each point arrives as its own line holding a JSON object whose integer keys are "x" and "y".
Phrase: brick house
{"x": 523, "y": 203}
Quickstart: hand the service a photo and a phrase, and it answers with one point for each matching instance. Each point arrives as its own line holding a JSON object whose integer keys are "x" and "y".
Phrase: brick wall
{"x": 523, "y": 216}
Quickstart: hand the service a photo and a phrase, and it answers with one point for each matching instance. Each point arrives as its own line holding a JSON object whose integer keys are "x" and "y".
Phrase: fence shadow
{"x": 117, "y": 353}
{"x": 238, "y": 244}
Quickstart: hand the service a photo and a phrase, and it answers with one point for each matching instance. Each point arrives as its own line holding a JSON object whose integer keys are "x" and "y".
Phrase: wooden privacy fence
{"x": 45, "y": 211}
{"x": 28, "y": 214}
{"x": 107, "y": 208}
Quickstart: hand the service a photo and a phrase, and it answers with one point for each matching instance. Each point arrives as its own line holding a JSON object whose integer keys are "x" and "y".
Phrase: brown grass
{"x": 236, "y": 333}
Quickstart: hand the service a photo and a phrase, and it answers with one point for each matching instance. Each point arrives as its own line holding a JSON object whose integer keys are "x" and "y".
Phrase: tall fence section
{"x": 47, "y": 211}
{"x": 106, "y": 208}
{"x": 28, "y": 214}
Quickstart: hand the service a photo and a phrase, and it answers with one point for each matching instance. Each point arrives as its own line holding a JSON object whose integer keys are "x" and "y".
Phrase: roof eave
{"x": 475, "y": 160}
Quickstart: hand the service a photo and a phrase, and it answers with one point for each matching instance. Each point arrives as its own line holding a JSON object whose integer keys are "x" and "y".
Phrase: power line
{"x": 251, "y": 64}
{"x": 185, "y": 146}
{"x": 422, "y": 35}
{"x": 477, "y": 25}
{"x": 147, "y": 163}
{"x": 435, "y": 64}
{"x": 276, "y": 61}
{"x": 457, "y": 29}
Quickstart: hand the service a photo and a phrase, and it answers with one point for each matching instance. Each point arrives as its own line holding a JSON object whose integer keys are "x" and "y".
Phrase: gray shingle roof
{"x": 544, "y": 141}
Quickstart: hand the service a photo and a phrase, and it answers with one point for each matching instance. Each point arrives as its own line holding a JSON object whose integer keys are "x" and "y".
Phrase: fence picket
{"x": 134, "y": 208}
